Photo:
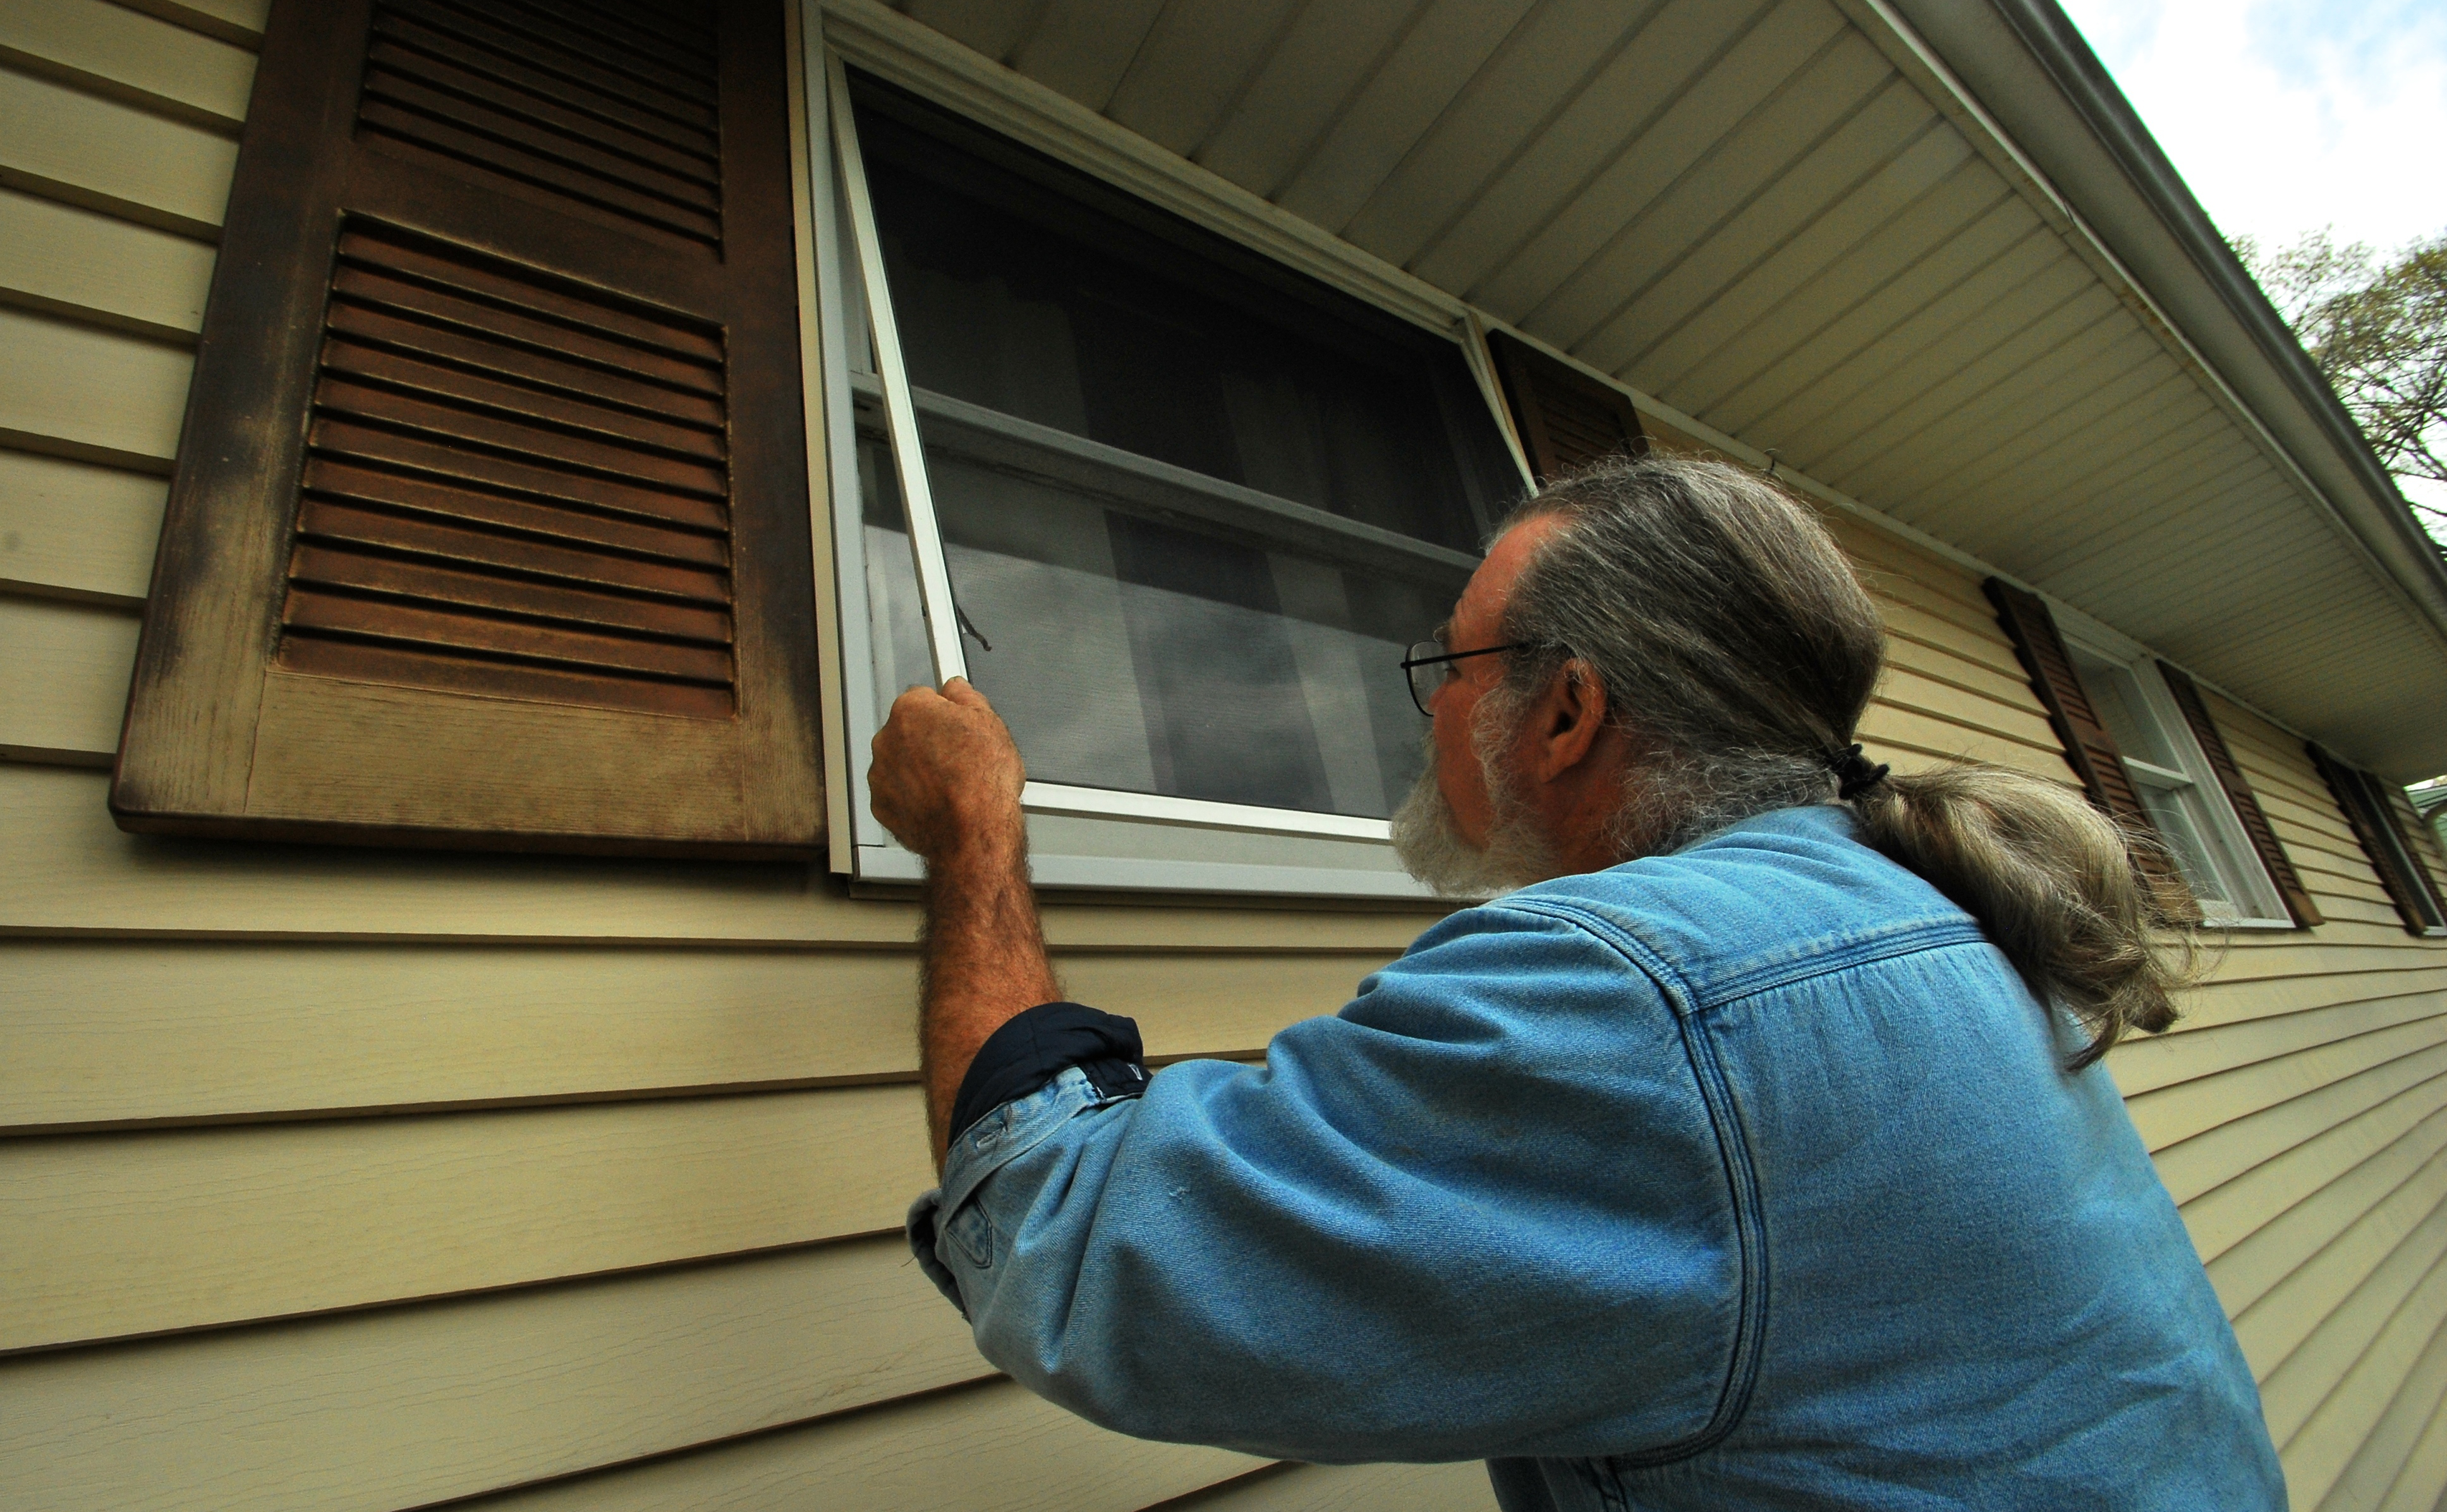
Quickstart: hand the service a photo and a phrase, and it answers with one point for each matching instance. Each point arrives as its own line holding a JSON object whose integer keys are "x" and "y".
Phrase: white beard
{"x": 1431, "y": 849}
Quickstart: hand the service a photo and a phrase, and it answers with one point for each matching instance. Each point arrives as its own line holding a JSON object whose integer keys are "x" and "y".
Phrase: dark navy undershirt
{"x": 1033, "y": 1048}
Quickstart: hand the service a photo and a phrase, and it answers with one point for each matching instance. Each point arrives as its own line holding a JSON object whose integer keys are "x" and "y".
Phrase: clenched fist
{"x": 947, "y": 776}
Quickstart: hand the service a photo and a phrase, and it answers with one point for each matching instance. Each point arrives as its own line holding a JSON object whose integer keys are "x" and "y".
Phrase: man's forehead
{"x": 1483, "y": 599}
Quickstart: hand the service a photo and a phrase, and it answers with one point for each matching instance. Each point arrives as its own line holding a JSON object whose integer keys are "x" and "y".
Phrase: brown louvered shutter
{"x": 2239, "y": 794}
{"x": 2088, "y": 748}
{"x": 2371, "y": 808}
{"x": 490, "y": 525}
{"x": 1566, "y": 418}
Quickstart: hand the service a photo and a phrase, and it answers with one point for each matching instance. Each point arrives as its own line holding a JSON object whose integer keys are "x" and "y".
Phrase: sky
{"x": 2287, "y": 116}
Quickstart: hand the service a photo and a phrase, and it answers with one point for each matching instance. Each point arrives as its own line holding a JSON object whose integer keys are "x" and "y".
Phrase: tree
{"x": 2377, "y": 330}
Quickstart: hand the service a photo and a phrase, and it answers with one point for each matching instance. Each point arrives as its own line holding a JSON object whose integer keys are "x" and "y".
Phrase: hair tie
{"x": 1855, "y": 774}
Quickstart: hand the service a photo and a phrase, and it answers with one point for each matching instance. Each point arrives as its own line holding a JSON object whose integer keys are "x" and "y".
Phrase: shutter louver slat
{"x": 330, "y": 481}
{"x": 357, "y": 571}
{"x": 542, "y": 371}
{"x": 411, "y": 375}
{"x": 487, "y": 604}
{"x": 434, "y": 63}
{"x": 2240, "y": 797}
{"x": 583, "y": 72}
{"x": 492, "y": 522}
{"x": 503, "y": 77}
{"x": 526, "y": 140}
{"x": 2089, "y": 749}
{"x": 1565, "y": 418}
{"x": 338, "y": 438}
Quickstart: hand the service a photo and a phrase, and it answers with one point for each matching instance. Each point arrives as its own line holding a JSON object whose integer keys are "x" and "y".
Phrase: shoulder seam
{"x": 1646, "y": 960}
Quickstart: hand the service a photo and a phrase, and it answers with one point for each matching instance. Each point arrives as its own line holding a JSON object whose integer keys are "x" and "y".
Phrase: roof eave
{"x": 2029, "y": 68}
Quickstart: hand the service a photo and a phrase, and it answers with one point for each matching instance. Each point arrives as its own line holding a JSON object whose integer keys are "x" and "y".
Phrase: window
{"x": 2389, "y": 828}
{"x": 2177, "y": 789}
{"x": 1176, "y": 509}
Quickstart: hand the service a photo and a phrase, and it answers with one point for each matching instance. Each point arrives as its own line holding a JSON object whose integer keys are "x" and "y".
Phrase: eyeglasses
{"x": 1429, "y": 666}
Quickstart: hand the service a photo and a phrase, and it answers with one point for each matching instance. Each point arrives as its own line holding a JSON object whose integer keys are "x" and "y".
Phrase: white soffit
{"x": 1778, "y": 216}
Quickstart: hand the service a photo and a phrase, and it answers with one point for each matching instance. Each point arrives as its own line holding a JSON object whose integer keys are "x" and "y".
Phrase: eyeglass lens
{"x": 1426, "y": 680}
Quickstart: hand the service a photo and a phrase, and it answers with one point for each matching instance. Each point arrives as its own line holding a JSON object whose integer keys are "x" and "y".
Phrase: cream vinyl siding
{"x": 390, "y": 1177}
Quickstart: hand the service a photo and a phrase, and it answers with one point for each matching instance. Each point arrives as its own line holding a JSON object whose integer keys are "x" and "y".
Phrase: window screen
{"x": 2228, "y": 881}
{"x": 1193, "y": 504}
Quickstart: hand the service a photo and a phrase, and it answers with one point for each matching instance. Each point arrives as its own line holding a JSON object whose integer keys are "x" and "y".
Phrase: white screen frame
{"x": 1081, "y": 837}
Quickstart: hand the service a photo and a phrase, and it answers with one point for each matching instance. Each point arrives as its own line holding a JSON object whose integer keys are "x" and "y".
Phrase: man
{"x": 1753, "y": 1154}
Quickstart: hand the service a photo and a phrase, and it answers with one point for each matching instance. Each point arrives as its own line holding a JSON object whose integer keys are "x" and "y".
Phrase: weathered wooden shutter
{"x": 490, "y": 524}
{"x": 2371, "y": 808}
{"x": 2088, "y": 748}
{"x": 2239, "y": 793}
{"x": 1566, "y": 418}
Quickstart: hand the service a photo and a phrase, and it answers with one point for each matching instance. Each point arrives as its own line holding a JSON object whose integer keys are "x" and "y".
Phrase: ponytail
{"x": 2052, "y": 881}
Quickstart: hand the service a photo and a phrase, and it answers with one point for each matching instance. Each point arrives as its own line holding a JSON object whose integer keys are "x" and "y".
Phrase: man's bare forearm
{"x": 982, "y": 962}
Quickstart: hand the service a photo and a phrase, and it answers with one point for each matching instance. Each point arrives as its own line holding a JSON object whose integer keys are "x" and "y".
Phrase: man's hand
{"x": 946, "y": 777}
{"x": 946, "y": 781}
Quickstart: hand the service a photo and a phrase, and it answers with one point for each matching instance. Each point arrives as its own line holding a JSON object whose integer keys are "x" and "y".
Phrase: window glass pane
{"x": 2182, "y": 828}
{"x": 1194, "y": 507}
{"x": 2116, "y": 695}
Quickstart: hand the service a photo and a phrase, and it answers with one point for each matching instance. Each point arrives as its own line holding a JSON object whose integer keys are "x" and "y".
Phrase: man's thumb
{"x": 959, "y": 690}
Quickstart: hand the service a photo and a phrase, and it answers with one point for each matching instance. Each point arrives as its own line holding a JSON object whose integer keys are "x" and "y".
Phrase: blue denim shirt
{"x": 1745, "y": 1176}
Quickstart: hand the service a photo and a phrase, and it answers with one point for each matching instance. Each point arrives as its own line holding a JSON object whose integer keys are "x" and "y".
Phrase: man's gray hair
{"x": 1737, "y": 652}
{"x": 1734, "y": 645}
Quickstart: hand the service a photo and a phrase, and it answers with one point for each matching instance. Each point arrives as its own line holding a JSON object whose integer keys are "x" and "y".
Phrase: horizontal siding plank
{"x": 2365, "y": 1479}
{"x": 116, "y": 1032}
{"x": 74, "y": 528}
{"x": 115, "y": 50}
{"x": 75, "y": 390}
{"x": 1903, "y": 689}
{"x": 66, "y": 869}
{"x": 2190, "y": 1109}
{"x": 2422, "y": 1483}
{"x": 239, "y": 21}
{"x": 88, "y": 266}
{"x": 990, "y": 1447}
{"x": 2221, "y": 1003}
{"x": 2410, "y": 1275}
{"x": 2222, "y": 1217}
{"x": 67, "y": 144}
{"x": 2247, "y": 955}
{"x": 402, "y": 1406}
{"x": 64, "y": 681}
{"x": 108, "y": 1234}
{"x": 2236, "y": 1146}
{"x": 1462, "y": 1487}
{"x": 2301, "y": 1233}
{"x": 2280, "y": 1318}
{"x": 2160, "y": 1061}
{"x": 1945, "y": 661}
{"x": 2350, "y": 1372}
{"x": 1971, "y": 628}
{"x": 1944, "y": 740}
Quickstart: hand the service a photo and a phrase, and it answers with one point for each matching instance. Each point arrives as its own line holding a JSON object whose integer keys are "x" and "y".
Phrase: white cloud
{"x": 2288, "y": 115}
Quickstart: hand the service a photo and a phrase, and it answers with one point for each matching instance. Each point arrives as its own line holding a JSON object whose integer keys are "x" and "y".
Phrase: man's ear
{"x": 1569, "y": 717}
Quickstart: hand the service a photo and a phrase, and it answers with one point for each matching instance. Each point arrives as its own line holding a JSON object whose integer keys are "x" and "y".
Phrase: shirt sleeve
{"x": 1486, "y": 1210}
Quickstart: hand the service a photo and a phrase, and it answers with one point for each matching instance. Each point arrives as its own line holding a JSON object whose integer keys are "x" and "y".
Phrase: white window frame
{"x": 2259, "y": 895}
{"x": 848, "y": 265}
